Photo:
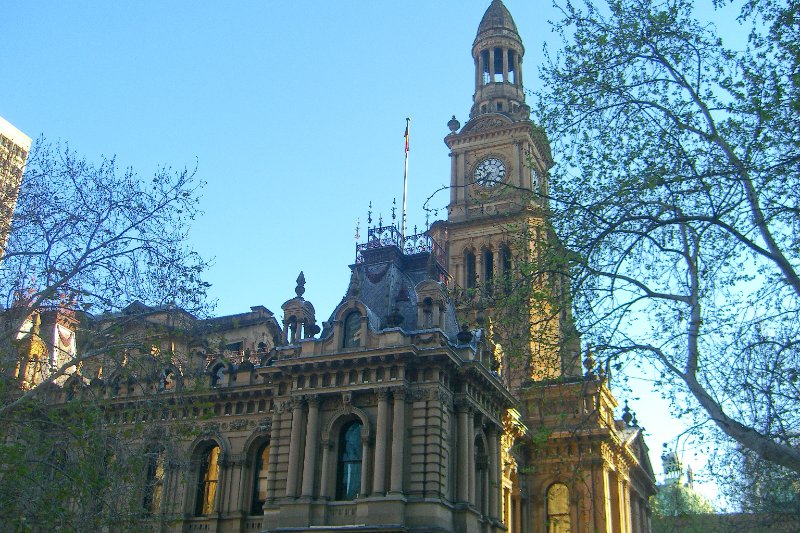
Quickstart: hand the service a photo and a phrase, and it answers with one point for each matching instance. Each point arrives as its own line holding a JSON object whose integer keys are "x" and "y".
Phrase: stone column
{"x": 626, "y": 492}
{"x": 471, "y": 457}
{"x": 601, "y": 498}
{"x": 398, "y": 439}
{"x": 326, "y": 468}
{"x": 294, "y": 448}
{"x": 505, "y": 66}
{"x": 365, "y": 462}
{"x": 494, "y": 478}
{"x": 379, "y": 479}
{"x": 274, "y": 443}
{"x": 623, "y": 525}
{"x": 491, "y": 65}
{"x": 312, "y": 437}
{"x": 463, "y": 451}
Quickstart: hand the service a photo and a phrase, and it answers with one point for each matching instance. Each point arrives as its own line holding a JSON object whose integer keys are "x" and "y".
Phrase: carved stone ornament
{"x": 487, "y": 124}
{"x": 238, "y": 425}
{"x": 265, "y": 424}
{"x": 212, "y": 428}
{"x": 347, "y": 398}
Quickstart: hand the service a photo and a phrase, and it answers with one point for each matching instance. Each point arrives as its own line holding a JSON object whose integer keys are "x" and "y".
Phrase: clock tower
{"x": 497, "y": 215}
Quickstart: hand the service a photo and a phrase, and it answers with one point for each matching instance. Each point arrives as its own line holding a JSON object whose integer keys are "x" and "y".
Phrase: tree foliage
{"x": 91, "y": 238}
{"x": 676, "y": 193}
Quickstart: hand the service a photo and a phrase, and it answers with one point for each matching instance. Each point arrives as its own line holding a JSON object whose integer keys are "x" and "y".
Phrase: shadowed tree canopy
{"x": 676, "y": 192}
{"x": 94, "y": 237}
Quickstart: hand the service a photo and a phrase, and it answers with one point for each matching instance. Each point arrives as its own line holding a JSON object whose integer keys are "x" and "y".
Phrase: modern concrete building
{"x": 422, "y": 403}
{"x": 14, "y": 147}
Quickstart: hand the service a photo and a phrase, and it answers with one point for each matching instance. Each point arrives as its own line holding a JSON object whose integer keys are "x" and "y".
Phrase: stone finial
{"x": 453, "y": 124}
{"x": 626, "y": 414}
{"x": 301, "y": 285}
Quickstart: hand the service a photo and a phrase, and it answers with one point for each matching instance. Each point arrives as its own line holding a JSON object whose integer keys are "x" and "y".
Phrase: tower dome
{"x": 497, "y": 19}
{"x": 498, "y": 53}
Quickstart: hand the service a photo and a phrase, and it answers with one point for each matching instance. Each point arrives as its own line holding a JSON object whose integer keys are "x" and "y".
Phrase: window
{"x": 352, "y": 330}
{"x": 505, "y": 260}
{"x": 470, "y": 275}
{"x": 488, "y": 270}
{"x": 427, "y": 313}
{"x": 348, "y": 476}
{"x": 167, "y": 381}
{"x": 207, "y": 481}
{"x": 154, "y": 487}
{"x": 217, "y": 375}
{"x": 260, "y": 480}
{"x": 498, "y": 65}
{"x": 558, "y": 509}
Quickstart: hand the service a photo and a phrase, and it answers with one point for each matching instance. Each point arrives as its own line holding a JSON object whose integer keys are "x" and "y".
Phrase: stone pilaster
{"x": 494, "y": 471}
{"x": 379, "y": 480}
{"x": 295, "y": 448}
{"x": 312, "y": 437}
{"x": 463, "y": 452}
{"x": 326, "y": 469}
{"x": 398, "y": 439}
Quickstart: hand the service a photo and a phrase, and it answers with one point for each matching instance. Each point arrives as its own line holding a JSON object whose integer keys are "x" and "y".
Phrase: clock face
{"x": 490, "y": 172}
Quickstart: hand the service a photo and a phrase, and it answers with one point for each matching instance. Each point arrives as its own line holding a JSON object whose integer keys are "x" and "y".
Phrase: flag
{"x": 406, "y": 135}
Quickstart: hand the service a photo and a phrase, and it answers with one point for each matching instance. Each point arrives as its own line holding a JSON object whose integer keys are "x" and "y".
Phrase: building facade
{"x": 415, "y": 406}
{"x": 14, "y": 148}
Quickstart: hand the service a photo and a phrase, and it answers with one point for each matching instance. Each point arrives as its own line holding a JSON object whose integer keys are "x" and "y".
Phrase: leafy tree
{"x": 678, "y": 499}
{"x": 92, "y": 237}
{"x": 676, "y": 193}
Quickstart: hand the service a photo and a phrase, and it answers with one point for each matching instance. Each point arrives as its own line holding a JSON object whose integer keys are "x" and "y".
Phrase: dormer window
{"x": 352, "y": 330}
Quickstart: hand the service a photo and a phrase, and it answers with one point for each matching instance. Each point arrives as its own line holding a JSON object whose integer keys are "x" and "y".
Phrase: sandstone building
{"x": 417, "y": 405}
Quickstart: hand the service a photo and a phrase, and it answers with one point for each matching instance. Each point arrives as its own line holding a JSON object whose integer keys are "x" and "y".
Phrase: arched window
{"x": 505, "y": 262}
{"x": 260, "y": 480}
{"x": 167, "y": 380}
{"x": 470, "y": 274}
{"x": 217, "y": 375}
{"x": 352, "y": 330}
{"x": 558, "y": 509}
{"x": 154, "y": 485}
{"x": 115, "y": 386}
{"x": 488, "y": 270}
{"x": 207, "y": 482}
{"x": 348, "y": 476}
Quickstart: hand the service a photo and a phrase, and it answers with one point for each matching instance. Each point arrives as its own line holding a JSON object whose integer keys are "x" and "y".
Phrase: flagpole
{"x": 405, "y": 187}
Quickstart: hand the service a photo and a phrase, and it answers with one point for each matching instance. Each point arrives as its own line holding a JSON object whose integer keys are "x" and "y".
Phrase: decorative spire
{"x": 498, "y": 53}
{"x": 301, "y": 285}
{"x": 626, "y": 414}
{"x": 369, "y": 214}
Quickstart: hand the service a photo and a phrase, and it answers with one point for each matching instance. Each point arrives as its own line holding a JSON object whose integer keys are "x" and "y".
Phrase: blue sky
{"x": 292, "y": 112}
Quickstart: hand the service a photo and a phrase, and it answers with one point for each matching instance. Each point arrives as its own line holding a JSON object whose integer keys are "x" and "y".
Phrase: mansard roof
{"x": 387, "y": 287}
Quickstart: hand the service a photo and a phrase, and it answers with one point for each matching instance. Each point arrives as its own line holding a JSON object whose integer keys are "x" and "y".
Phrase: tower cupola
{"x": 498, "y": 53}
